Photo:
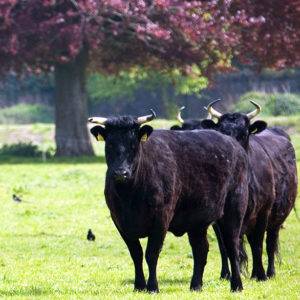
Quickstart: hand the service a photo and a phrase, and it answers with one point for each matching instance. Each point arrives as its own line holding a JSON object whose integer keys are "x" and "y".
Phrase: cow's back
{"x": 278, "y": 131}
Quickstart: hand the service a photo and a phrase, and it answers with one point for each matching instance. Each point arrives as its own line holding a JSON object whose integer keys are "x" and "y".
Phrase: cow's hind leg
{"x": 199, "y": 244}
{"x": 231, "y": 240}
{"x": 154, "y": 245}
{"x": 225, "y": 272}
{"x": 272, "y": 248}
{"x": 230, "y": 226}
{"x": 255, "y": 238}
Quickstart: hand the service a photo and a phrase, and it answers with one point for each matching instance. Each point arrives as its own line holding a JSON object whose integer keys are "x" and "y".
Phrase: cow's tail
{"x": 243, "y": 257}
{"x": 277, "y": 250}
{"x": 296, "y": 212}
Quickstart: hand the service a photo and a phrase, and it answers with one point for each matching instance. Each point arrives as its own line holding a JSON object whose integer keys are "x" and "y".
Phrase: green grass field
{"x": 45, "y": 254}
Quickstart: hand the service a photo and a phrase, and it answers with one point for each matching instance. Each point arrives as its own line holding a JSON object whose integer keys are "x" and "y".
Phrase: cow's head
{"x": 237, "y": 125}
{"x": 188, "y": 124}
{"x": 123, "y": 137}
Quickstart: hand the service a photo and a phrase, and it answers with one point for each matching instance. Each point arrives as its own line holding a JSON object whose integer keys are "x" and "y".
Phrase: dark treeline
{"x": 228, "y": 87}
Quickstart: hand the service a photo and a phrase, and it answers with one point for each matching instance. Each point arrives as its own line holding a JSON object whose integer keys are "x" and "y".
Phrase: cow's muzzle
{"x": 121, "y": 174}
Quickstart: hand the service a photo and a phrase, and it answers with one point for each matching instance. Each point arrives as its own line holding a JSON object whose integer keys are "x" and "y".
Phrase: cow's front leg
{"x": 154, "y": 245}
{"x": 136, "y": 252}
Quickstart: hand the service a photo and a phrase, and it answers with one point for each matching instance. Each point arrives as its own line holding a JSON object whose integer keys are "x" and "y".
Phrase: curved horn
{"x": 98, "y": 120}
{"x": 213, "y": 112}
{"x": 255, "y": 112}
{"x": 148, "y": 118}
{"x": 179, "y": 118}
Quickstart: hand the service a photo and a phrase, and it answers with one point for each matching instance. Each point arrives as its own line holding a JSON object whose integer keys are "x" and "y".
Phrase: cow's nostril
{"x": 125, "y": 173}
{"x": 121, "y": 174}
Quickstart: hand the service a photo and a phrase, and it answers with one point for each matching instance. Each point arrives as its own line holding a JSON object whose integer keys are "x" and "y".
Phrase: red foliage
{"x": 37, "y": 34}
{"x": 276, "y": 42}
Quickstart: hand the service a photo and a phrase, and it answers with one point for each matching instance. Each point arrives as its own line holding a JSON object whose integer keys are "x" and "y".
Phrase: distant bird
{"x": 90, "y": 235}
{"x": 16, "y": 198}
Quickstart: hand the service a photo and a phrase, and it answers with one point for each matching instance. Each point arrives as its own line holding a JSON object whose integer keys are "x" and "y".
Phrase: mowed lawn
{"x": 44, "y": 252}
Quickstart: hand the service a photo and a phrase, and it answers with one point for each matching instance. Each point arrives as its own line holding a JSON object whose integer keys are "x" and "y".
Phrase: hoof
{"x": 271, "y": 274}
{"x": 262, "y": 278}
{"x": 196, "y": 288}
{"x": 259, "y": 277}
{"x": 139, "y": 286}
{"x": 225, "y": 275}
{"x": 236, "y": 286}
{"x": 196, "y": 285}
{"x": 236, "y": 289}
{"x": 152, "y": 289}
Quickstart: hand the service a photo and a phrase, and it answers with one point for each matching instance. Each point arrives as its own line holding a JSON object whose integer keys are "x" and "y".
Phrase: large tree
{"x": 71, "y": 37}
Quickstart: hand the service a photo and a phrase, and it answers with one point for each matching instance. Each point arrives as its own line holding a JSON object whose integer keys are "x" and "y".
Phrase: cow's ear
{"x": 99, "y": 133}
{"x": 257, "y": 127}
{"x": 145, "y": 132}
{"x": 175, "y": 127}
{"x": 208, "y": 124}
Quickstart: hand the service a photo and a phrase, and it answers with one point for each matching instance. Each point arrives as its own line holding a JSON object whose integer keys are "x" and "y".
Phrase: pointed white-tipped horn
{"x": 255, "y": 112}
{"x": 213, "y": 112}
{"x": 97, "y": 120}
{"x": 148, "y": 118}
{"x": 179, "y": 118}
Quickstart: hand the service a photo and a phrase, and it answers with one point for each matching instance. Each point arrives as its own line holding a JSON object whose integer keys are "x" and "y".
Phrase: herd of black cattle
{"x": 237, "y": 175}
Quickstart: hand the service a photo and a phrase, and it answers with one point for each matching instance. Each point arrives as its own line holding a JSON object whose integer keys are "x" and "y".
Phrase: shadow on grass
{"x": 164, "y": 281}
{"x": 53, "y": 160}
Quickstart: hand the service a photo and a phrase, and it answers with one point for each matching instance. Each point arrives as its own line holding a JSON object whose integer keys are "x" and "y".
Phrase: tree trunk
{"x": 71, "y": 134}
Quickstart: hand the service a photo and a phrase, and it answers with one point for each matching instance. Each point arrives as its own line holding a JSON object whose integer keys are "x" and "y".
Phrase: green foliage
{"x": 276, "y": 104}
{"x": 124, "y": 85}
{"x": 24, "y": 150}
{"x": 243, "y": 104}
{"x": 284, "y": 104}
{"x": 26, "y": 114}
{"x": 113, "y": 87}
{"x": 184, "y": 84}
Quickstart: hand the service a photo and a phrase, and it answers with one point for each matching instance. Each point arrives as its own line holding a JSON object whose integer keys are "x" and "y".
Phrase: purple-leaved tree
{"x": 72, "y": 37}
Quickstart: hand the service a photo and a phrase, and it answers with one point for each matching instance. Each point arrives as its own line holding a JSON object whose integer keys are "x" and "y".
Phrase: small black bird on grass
{"x": 90, "y": 235}
{"x": 16, "y": 198}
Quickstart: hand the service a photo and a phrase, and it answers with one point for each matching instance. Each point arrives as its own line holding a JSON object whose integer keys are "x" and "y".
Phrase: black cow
{"x": 273, "y": 180}
{"x": 188, "y": 124}
{"x": 192, "y": 124}
{"x": 277, "y": 145}
{"x": 151, "y": 188}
